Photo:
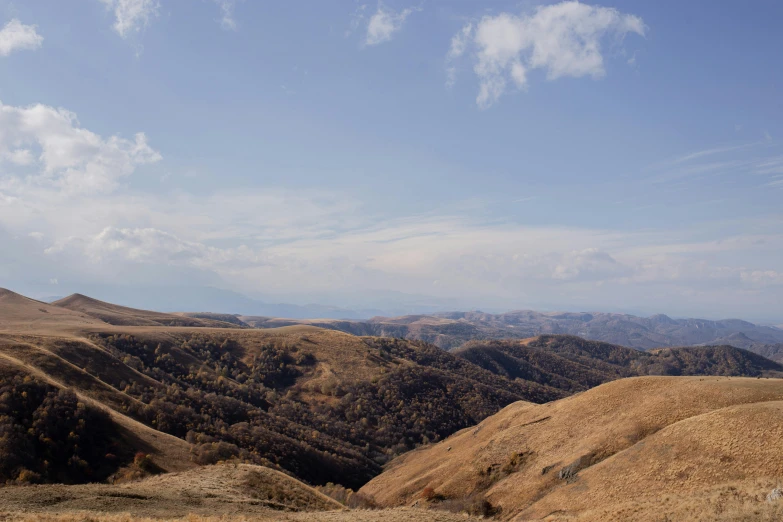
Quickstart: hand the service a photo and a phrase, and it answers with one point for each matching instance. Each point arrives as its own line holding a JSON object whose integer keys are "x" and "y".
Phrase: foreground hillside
{"x": 453, "y": 329}
{"x": 224, "y": 492}
{"x": 652, "y": 448}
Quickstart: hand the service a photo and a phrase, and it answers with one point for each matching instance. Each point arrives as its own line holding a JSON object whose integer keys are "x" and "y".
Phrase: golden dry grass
{"x": 221, "y": 493}
{"x": 636, "y": 438}
{"x": 208, "y": 491}
{"x": 742, "y": 501}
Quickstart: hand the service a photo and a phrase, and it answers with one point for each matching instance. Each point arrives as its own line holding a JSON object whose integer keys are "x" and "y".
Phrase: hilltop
{"x": 124, "y": 316}
{"x": 613, "y": 452}
{"x": 21, "y": 313}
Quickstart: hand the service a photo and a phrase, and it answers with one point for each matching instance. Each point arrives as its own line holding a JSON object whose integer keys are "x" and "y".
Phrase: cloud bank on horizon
{"x": 691, "y": 230}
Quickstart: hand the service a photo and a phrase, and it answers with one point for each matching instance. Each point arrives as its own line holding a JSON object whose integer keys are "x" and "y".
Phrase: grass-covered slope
{"x": 616, "y": 450}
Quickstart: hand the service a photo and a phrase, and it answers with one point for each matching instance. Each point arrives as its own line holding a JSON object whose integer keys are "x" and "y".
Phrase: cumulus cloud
{"x": 563, "y": 39}
{"x": 71, "y": 157}
{"x": 15, "y": 36}
{"x": 384, "y": 23}
{"x": 20, "y": 157}
{"x": 132, "y": 16}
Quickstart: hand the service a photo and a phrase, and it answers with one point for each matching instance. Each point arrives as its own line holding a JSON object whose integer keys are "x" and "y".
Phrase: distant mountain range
{"x": 452, "y": 329}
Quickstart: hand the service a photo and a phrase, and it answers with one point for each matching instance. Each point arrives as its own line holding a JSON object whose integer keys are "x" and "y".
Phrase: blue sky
{"x": 620, "y": 156}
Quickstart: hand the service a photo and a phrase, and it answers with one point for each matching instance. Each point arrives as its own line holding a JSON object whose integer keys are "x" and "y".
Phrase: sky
{"x": 617, "y": 156}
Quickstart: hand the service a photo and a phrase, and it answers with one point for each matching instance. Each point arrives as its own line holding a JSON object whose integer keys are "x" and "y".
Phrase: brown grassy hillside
{"x": 603, "y": 449}
{"x": 21, "y": 313}
{"x": 690, "y": 460}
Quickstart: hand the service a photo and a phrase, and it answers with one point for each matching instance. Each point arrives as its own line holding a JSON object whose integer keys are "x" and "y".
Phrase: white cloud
{"x": 20, "y": 157}
{"x": 459, "y": 43}
{"x": 384, "y": 23}
{"x": 15, "y": 36}
{"x": 563, "y": 39}
{"x": 132, "y": 16}
{"x": 227, "y": 20}
{"x": 72, "y": 158}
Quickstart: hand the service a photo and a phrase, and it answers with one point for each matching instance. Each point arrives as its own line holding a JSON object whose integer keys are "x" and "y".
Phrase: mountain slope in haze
{"x": 174, "y": 298}
{"x": 122, "y": 315}
{"x": 225, "y": 318}
{"x": 611, "y": 453}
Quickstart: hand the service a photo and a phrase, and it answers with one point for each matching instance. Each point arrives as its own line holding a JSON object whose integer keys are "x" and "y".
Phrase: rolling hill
{"x": 648, "y": 448}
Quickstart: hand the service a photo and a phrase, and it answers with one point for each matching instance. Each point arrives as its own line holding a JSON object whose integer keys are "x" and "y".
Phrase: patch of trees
{"x": 48, "y": 435}
{"x": 572, "y": 364}
{"x": 233, "y": 405}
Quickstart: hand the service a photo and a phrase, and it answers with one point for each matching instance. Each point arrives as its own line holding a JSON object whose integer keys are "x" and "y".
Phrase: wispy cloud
{"x": 760, "y": 158}
{"x": 227, "y": 20}
{"x": 16, "y": 36}
{"x": 132, "y": 16}
{"x": 712, "y": 152}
